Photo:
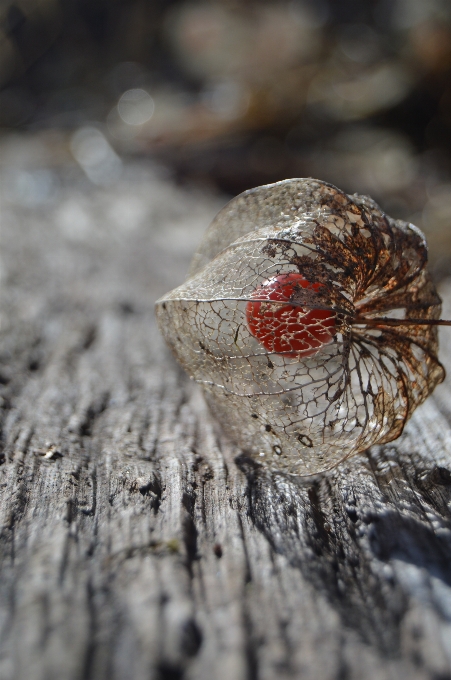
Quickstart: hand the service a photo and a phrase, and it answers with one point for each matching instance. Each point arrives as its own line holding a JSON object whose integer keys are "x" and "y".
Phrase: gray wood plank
{"x": 135, "y": 540}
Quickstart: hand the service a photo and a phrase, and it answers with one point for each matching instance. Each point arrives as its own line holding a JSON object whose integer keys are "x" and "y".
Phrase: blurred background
{"x": 230, "y": 94}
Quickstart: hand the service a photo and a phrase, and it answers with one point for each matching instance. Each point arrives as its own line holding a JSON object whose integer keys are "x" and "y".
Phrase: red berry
{"x": 285, "y": 328}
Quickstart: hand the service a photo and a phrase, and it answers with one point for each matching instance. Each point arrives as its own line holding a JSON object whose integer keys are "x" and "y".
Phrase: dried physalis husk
{"x": 308, "y": 319}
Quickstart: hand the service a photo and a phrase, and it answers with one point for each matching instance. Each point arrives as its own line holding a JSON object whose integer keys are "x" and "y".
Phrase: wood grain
{"x": 136, "y": 541}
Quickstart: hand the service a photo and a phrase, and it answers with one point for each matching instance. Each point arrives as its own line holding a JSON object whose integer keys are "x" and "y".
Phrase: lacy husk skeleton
{"x": 304, "y": 412}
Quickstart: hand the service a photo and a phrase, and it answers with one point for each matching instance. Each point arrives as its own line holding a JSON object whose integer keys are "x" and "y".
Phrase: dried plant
{"x": 309, "y": 319}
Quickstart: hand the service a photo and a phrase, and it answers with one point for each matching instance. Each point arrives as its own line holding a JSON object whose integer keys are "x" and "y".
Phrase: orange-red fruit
{"x": 285, "y": 328}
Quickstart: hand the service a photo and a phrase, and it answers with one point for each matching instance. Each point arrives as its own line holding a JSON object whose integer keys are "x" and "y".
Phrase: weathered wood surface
{"x": 135, "y": 541}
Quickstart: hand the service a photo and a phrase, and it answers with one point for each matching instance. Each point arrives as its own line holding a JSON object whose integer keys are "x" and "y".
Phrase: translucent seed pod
{"x": 308, "y": 317}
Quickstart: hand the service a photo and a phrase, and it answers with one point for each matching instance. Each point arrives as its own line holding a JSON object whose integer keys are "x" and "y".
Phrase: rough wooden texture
{"x": 136, "y": 543}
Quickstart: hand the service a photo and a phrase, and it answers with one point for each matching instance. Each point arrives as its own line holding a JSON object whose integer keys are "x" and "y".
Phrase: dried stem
{"x": 385, "y": 321}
